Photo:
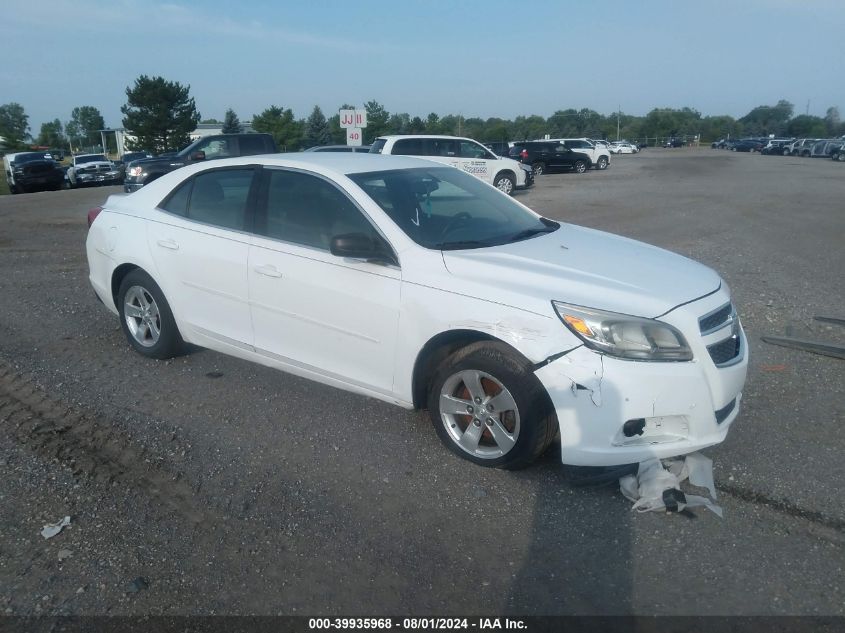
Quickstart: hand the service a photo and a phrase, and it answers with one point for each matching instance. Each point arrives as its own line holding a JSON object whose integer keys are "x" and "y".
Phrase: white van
{"x": 471, "y": 156}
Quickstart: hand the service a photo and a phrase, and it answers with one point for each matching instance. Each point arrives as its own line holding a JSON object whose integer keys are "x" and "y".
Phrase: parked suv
{"x": 803, "y": 147}
{"x": 464, "y": 153}
{"x": 142, "y": 172}
{"x": 544, "y": 156}
{"x": 599, "y": 156}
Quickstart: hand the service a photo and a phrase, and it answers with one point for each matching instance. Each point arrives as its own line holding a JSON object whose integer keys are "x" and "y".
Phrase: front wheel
{"x": 602, "y": 164}
{"x": 579, "y": 167}
{"x": 146, "y": 318}
{"x": 504, "y": 183}
{"x": 487, "y": 406}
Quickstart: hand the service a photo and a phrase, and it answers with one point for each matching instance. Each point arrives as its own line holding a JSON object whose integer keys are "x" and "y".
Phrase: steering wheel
{"x": 454, "y": 221}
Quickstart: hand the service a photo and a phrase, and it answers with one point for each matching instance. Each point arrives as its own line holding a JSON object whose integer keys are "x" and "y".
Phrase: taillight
{"x": 92, "y": 215}
{"x": 524, "y": 154}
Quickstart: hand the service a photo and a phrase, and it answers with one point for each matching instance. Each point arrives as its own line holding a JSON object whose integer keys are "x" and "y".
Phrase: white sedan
{"x": 623, "y": 148}
{"x": 420, "y": 285}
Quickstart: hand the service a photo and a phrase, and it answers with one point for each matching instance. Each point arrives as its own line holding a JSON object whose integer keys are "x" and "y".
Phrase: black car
{"x": 545, "y": 156}
{"x": 838, "y": 153}
{"x": 142, "y": 172}
{"x": 675, "y": 142}
{"x": 748, "y": 145}
{"x": 33, "y": 171}
{"x": 499, "y": 148}
{"x": 776, "y": 148}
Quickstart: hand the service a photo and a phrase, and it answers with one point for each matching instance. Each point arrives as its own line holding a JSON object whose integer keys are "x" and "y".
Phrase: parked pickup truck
{"x": 143, "y": 172}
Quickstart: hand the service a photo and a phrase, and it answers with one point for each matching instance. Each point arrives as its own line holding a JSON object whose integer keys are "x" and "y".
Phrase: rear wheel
{"x": 504, "y": 183}
{"x": 579, "y": 167}
{"x": 145, "y": 317}
{"x": 487, "y": 406}
{"x": 539, "y": 167}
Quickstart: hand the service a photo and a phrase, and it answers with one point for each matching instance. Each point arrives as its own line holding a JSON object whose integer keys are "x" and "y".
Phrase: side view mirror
{"x": 198, "y": 155}
{"x": 360, "y": 246}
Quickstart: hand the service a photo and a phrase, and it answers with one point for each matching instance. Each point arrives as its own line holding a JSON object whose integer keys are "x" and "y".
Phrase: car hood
{"x": 95, "y": 164}
{"x": 584, "y": 267}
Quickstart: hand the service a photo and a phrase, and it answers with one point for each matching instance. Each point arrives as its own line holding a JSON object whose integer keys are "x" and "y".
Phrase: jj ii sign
{"x": 353, "y": 118}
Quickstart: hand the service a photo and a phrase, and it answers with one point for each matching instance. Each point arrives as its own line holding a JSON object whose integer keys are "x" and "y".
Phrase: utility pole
{"x": 807, "y": 111}
{"x": 618, "y": 111}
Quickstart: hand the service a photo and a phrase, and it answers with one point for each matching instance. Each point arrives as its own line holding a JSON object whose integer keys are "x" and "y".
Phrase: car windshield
{"x": 92, "y": 158}
{"x": 28, "y": 158}
{"x": 444, "y": 208}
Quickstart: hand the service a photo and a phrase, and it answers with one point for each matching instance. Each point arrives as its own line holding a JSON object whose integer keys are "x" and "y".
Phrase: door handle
{"x": 268, "y": 271}
{"x": 168, "y": 243}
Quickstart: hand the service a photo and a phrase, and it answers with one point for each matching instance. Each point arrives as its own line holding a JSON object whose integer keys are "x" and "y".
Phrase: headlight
{"x": 136, "y": 171}
{"x": 624, "y": 336}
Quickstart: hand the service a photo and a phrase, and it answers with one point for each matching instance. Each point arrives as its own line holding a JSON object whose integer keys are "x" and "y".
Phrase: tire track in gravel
{"x": 89, "y": 443}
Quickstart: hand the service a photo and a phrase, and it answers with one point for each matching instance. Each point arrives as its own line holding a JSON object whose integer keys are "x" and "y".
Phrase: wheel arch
{"x": 441, "y": 346}
{"x": 118, "y": 275}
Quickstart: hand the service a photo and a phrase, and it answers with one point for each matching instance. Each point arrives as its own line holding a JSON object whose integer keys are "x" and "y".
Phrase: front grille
{"x": 37, "y": 170}
{"x": 723, "y": 413}
{"x": 715, "y": 320}
{"x": 725, "y": 351}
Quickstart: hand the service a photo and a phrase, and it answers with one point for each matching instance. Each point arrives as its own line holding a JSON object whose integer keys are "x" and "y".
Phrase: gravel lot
{"x": 235, "y": 489}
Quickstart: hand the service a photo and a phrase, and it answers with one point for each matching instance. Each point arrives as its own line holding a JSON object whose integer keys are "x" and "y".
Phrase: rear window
{"x": 252, "y": 144}
{"x": 377, "y": 146}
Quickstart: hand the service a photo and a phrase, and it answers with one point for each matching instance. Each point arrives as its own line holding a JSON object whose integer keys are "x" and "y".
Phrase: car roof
{"x": 446, "y": 136}
{"x": 339, "y": 164}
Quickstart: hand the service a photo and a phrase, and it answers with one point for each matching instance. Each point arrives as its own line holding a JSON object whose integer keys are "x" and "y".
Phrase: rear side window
{"x": 407, "y": 147}
{"x": 177, "y": 202}
{"x": 440, "y": 147}
{"x": 219, "y": 197}
{"x": 252, "y": 144}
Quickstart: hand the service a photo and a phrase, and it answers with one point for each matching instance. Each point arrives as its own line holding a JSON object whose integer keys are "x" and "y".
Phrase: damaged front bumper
{"x": 614, "y": 411}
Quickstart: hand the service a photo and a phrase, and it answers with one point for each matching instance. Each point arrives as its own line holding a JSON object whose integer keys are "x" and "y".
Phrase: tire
{"x": 602, "y": 164}
{"x": 505, "y": 183}
{"x": 785, "y": 152}
{"x": 579, "y": 167}
{"x": 150, "y": 327}
{"x": 841, "y": 157}
{"x": 523, "y": 419}
{"x": 538, "y": 167}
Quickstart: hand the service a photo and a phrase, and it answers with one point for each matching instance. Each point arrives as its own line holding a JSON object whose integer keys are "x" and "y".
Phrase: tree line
{"x": 161, "y": 114}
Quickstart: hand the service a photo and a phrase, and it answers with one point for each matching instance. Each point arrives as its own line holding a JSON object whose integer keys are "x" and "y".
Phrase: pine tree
{"x": 160, "y": 114}
{"x": 316, "y": 129}
{"x": 231, "y": 123}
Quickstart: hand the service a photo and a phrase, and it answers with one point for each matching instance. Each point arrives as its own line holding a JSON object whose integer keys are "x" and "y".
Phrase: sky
{"x": 486, "y": 58}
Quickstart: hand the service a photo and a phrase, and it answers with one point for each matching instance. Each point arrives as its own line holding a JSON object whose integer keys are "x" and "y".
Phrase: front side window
{"x": 308, "y": 210}
{"x": 468, "y": 149}
{"x": 219, "y": 197}
{"x": 215, "y": 148}
{"x": 442, "y": 208}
